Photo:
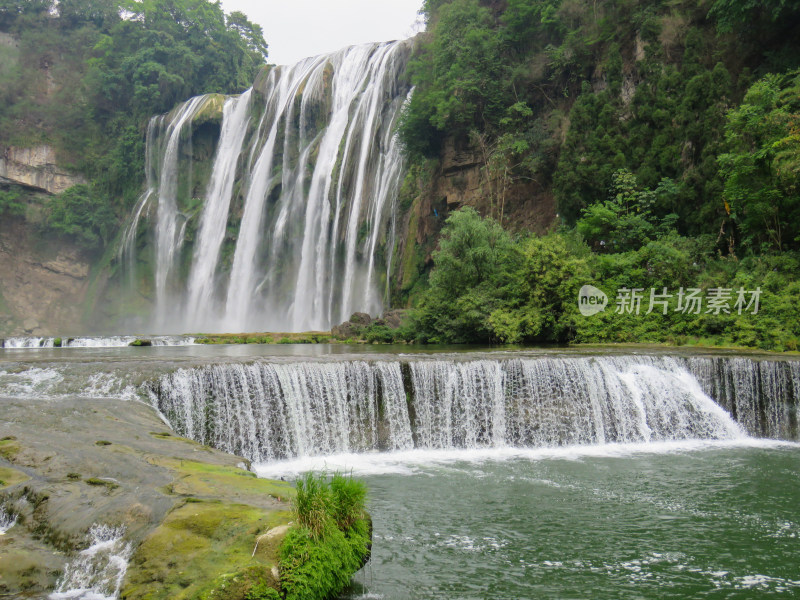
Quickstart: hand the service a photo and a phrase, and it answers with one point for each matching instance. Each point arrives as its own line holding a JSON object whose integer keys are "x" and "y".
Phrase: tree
{"x": 762, "y": 166}
{"x": 471, "y": 270}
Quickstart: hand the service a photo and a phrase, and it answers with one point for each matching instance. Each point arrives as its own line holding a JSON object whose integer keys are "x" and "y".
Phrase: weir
{"x": 267, "y": 411}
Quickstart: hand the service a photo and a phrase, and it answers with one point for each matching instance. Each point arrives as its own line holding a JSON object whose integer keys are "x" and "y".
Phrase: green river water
{"x": 674, "y": 521}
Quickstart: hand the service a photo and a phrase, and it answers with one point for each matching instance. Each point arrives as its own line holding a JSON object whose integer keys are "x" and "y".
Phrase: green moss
{"x": 205, "y": 550}
{"x": 102, "y": 443}
{"x": 200, "y": 479}
{"x": 9, "y": 448}
{"x": 109, "y": 485}
{"x": 9, "y": 477}
{"x": 57, "y": 342}
{"x": 315, "y": 569}
{"x": 73, "y": 476}
{"x": 332, "y": 538}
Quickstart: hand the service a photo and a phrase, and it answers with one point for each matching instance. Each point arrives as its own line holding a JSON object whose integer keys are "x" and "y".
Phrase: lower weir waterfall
{"x": 273, "y": 210}
{"x": 272, "y": 410}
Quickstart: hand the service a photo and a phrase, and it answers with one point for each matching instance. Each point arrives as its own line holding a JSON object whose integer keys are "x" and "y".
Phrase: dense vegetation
{"x": 88, "y": 74}
{"x": 330, "y": 541}
{"x": 490, "y": 287}
{"x": 669, "y": 135}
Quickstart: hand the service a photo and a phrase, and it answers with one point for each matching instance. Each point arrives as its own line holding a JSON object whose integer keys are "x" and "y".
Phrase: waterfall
{"x": 7, "y": 520}
{"x": 297, "y": 216}
{"x": 267, "y": 411}
{"x": 235, "y": 120}
{"x": 97, "y": 572}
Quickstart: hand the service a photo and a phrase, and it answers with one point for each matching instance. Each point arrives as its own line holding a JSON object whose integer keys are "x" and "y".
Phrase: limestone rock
{"x": 37, "y": 168}
{"x": 394, "y": 318}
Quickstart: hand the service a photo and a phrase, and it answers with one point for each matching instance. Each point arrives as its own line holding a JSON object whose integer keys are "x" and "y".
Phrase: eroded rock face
{"x": 36, "y": 168}
{"x": 42, "y": 289}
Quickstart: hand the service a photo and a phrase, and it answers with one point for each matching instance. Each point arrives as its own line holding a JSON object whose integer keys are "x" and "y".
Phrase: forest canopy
{"x": 111, "y": 66}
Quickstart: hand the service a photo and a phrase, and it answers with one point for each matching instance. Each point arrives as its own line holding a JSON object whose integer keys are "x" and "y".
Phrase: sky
{"x": 295, "y": 29}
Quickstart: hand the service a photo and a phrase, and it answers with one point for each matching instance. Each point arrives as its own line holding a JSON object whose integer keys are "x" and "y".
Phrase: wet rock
{"x": 360, "y": 318}
{"x": 394, "y": 318}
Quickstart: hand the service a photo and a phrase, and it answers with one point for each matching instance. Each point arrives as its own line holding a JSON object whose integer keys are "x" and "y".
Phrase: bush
{"x": 331, "y": 540}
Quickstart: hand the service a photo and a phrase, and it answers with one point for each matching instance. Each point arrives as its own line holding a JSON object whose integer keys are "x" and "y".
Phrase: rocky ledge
{"x": 198, "y": 523}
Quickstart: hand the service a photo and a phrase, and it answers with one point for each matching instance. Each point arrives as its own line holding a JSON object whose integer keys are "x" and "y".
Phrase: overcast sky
{"x": 295, "y": 29}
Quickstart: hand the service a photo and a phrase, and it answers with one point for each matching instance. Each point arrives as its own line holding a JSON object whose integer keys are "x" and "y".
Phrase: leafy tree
{"x": 459, "y": 77}
{"x": 762, "y": 167}
{"x": 732, "y": 13}
{"x": 82, "y": 215}
{"x": 472, "y": 267}
{"x": 626, "y": 221}
{"x": 10, "y": 202}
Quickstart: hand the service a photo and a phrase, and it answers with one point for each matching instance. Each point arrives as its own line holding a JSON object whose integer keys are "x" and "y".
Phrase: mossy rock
{"x": 205, "y": 549}
{"x": 9, "y": 448}
{"x": 210, "y": 111}
{"x": 10, "y": 477}
{"x": 200, "y": 479}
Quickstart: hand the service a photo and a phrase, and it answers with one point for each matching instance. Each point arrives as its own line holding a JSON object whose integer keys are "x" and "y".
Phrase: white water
{"x": 214, "y": 218}
{"x": 410, "y": 462}
{"x": 317, "y": 189}
{"x": 7, "y": 520}
{"x": 97, "y": 572}
{"x": 268, "y": 411}
{"x": 114, "y": 341}
{"x": 168, "y": 240}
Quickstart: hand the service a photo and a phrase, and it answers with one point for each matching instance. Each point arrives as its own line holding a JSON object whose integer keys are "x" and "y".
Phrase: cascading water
{"x": 267, "y": 411}
{"x": 97, "y": 572}
{"x": 7, "y": 520}
{"x": 114, "y": 341}
{"x": 297, "y": 219}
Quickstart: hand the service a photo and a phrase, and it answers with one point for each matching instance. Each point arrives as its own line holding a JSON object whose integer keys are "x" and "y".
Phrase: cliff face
{"x": 43, "y": 283}
{"x": 458, "y": 178}
{"x": 35, "y": 167}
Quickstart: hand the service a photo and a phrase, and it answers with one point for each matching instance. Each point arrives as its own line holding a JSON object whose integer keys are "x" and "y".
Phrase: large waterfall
{"x": 271, "y": 410}
{"x": 283, "y": 219}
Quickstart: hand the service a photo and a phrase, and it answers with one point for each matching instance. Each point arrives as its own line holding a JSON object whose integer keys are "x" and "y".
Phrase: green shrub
{"x": 331, "y": 540}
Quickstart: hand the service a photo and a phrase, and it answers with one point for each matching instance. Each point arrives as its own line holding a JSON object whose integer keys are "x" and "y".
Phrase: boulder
{"x": 394, "y": 318}
{"x": 360, "y": 318}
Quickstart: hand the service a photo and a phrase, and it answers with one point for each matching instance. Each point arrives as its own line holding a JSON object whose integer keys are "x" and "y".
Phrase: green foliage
{"x": 471, "y": 270}
{"x": 107, "y": 75}
{"x": 10, "y": 202}
{"x": 313, "y": 503}
{"x": 736, "y": 13}
{"x": 331, "y": 540}
{"x": 487, "y": 287}
{"x": 762, "y": 167}
{"x": 626, "y": 220}
{"x": 459, "y": 77}
{"x": 82, "y": 215}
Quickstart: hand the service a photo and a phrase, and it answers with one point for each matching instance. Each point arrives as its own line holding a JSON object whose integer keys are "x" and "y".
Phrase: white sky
{"x": 295, "y": 29}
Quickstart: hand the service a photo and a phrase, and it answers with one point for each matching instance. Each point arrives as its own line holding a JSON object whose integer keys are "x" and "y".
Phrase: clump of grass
{"x": 102, "y": 443}
{"x": 331, "y": 539}
{"x": 349, "y": 498}
{"x": 73, "y": 476}
{"x": 110, "y": 485}
{"x": 313, "y": 504}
